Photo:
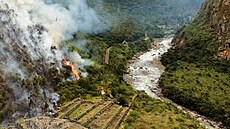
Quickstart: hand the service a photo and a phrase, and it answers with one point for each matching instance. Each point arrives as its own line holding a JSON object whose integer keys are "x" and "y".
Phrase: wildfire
{"x": 69, "y": 63}
{"x": 73, "y": 68}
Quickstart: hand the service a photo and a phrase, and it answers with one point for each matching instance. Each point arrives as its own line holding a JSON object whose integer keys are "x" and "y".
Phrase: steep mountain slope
{"x": 156, "y": 17}
{"x": 36, "y": 36}
{"x": 158, "y": 9}
{"x": 159, "y": 12}
{"x": 198, "y": 68}
{"x": 23, "y": 64}
{"x": 31, "y": 62}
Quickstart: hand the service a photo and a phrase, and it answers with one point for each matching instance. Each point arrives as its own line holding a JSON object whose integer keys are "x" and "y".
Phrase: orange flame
{"x": 73, "y": 68}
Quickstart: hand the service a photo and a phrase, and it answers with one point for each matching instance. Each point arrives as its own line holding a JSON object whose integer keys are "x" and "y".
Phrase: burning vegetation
{"x": 73, "y": 68}
{"x": 69, "y": 63}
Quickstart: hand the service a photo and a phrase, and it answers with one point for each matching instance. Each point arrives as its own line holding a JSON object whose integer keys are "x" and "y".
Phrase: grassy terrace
{"x": 101, "y": 121}
{"x": 64, "y": 111}
{"x": 94, "y": 112}
{"x": 80, "y": 110}
{"x": 117, "y": 119}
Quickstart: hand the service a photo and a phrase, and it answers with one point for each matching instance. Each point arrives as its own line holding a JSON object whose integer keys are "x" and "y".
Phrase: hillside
{"x": 159, "y": 12}
{"x": 156, "y": 17}
{"x": 197, "y": 68}
{"x": 50, "y": 59}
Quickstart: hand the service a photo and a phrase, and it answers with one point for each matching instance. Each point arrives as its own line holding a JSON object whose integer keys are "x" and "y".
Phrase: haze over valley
{"x": 114, "y": 64}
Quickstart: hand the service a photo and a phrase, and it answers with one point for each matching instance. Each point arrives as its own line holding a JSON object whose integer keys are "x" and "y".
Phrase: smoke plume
{"x": 61, "y": 18}
{"x": 28, "y": 30}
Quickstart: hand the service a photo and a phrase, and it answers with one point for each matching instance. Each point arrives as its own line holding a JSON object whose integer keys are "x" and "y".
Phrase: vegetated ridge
{"x": 197, "y": 73}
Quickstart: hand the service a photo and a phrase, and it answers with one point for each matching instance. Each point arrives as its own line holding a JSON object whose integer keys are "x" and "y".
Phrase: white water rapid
{"x": 144, "y": 72}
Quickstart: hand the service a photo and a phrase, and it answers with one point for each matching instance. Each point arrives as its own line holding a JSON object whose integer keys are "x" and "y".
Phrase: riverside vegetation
{"x": 194, "y": 76}
{"x": 109, "y": 77}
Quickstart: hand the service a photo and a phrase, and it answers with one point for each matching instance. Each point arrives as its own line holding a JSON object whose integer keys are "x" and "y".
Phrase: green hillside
{"x": 156, "y": 17}
{"x": 194, "y": 76}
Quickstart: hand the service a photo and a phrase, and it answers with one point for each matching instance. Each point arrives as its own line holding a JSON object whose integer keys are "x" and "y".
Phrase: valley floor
{"x": 143, "y": 112}
{"x": 144, "y": 72}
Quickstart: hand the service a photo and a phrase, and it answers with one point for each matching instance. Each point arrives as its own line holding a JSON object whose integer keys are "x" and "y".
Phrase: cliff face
{"x": 215, "y": 15}
{"x": 220, "y": 18}
{"x": 220, "y": 21}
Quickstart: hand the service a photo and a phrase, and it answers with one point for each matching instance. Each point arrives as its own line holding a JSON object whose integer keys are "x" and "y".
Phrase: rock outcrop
{"x": 220, "y": 21}
{"x": 214, "y": 14}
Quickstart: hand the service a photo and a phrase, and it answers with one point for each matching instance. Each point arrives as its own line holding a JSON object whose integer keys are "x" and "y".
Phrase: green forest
{"x": 156, "y": 17}
{"x": 194, "y": 77}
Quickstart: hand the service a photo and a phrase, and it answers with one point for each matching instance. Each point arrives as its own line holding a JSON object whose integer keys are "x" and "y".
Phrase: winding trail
{"x": 144, "y": 71}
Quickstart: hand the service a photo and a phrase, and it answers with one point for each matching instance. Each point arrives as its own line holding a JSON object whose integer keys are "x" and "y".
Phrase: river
{"x": 144, "y": 71}
{"x": 145, "y": 68}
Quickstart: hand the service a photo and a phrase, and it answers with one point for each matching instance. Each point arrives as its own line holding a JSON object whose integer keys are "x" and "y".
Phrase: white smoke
{"x": 11, "y": 66}
{"x": 60, "y": 18}
{"x": 76, "y": 58}
{"x": 28, "y": 30}
{"x": 40, "y": 24}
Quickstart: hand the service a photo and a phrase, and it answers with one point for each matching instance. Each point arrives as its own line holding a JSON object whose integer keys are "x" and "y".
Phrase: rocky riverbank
{"x": 144, "y": 71}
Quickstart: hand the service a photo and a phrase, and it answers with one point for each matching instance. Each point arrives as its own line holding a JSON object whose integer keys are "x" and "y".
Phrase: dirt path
{"x": 107, "y": 55}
